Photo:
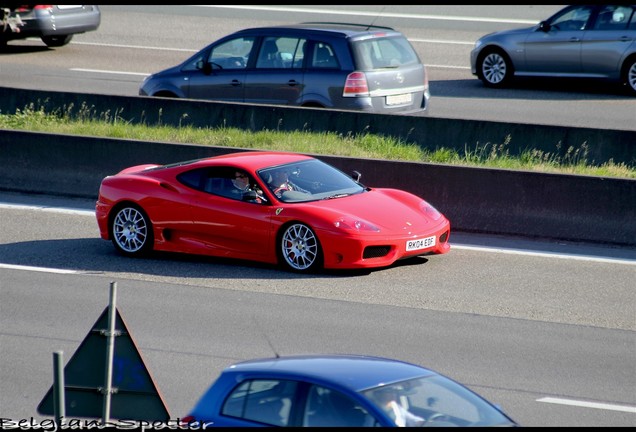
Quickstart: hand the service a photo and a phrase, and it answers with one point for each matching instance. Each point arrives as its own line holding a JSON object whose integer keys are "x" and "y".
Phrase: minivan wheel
{"x": 494, "y": 69}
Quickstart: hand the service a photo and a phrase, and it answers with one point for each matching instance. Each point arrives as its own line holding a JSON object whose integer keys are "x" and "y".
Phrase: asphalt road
{"x": 516, "y": 321}
{"x": 134, "y": 41}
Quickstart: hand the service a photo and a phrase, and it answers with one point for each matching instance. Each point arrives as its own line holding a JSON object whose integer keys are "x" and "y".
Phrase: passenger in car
{"x": 241, "y": 185}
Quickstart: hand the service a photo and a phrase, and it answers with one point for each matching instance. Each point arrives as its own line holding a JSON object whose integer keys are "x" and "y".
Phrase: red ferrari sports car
{"x": 273, "y": 207}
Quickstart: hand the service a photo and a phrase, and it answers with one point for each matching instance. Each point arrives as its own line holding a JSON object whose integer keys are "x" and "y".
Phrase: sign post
{"x": 110, "y": 349}
{"x": 58, "y": 385}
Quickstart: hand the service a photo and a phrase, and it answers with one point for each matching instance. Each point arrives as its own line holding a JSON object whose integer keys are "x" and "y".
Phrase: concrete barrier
{"x": 480, "y": 200}
{"x": 597, "y": 146}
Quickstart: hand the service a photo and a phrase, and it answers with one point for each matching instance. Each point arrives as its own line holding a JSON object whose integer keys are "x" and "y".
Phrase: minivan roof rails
{"x": 367, "y": 26}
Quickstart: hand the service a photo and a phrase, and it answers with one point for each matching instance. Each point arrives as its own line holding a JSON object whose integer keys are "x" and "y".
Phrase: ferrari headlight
{"x": 430, "y": 211}
{"x": 355, "y": 225}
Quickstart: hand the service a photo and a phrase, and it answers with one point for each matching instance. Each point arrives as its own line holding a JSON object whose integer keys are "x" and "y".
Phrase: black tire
{"x": 494, "y": 69}
{"x": 131, "y": 231}
{"x": 56, "y": 41}
{"x": 629, "y": 76}
{"x": 299, "y": 249}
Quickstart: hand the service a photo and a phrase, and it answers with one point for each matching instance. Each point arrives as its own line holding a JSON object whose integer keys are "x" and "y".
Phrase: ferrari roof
{"x": 257, "y": 159}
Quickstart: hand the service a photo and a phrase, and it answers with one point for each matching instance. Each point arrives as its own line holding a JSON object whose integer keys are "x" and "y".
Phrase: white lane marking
{"x": 133, "y": 46}
{"x": 512, "y": 251}
{"x": 37, "y": 269}
{"x": 375, "y": 14}
{"x": 436, "y": 41}
{"x": 585, "y": 404}
{"x": 109, "y": 72}
{"x": 65, "y": 210}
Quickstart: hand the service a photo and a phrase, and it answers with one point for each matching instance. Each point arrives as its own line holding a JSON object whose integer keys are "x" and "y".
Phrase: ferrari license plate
{"x": 423, "y": 243}
{"x": 400, "y": 99}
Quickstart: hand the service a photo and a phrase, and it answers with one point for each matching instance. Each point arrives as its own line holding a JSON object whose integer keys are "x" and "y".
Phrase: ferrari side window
{"x": 195, "y": 179}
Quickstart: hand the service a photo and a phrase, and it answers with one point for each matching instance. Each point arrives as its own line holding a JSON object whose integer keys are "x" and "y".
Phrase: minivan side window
{"x": 281, "y": 53}
{"x": 323, "y": 56}
{"x": 232, "y": 54}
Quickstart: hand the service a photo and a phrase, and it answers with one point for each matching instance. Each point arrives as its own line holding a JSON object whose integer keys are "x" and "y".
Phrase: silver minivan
{"x": 325, "y": 65}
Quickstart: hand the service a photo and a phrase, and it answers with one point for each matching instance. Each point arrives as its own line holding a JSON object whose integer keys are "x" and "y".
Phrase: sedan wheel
{"x": 630, "y": 76}
{"x": 495, "y": 70}
{"x": 57, "y": 41}
{"x": 131, "y": 231}
{"x": 299, "y": 248}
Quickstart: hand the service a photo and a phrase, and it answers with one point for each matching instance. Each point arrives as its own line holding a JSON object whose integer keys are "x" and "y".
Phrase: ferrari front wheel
{"x": 131, "y": 231}
{"x": 299, "y": 248}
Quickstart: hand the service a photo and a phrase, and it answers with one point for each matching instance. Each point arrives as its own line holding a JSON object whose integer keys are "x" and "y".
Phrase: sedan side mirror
{"x": 544, "y": 26}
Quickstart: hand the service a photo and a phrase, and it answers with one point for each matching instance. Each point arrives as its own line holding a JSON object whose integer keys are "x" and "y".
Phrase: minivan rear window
{"x": 379, "y": 53}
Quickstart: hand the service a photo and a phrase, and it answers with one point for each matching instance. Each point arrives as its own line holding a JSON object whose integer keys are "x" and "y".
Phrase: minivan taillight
{"x": 356, "y": 85}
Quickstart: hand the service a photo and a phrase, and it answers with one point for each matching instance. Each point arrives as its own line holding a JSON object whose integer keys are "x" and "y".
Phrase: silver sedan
{"x": 579, "y": 41}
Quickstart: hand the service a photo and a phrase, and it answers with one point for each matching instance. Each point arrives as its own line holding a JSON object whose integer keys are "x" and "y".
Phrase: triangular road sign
{"x": 134, "y": 394}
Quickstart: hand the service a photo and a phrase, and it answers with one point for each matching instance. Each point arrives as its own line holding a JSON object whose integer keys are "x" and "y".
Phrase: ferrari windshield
{"x": 308, "y": 180}
{"x": 434, "y": 401}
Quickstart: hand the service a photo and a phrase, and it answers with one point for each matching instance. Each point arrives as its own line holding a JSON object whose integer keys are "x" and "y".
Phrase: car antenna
{"x": 269, "y": 342}
{"x": 377, "y": 16}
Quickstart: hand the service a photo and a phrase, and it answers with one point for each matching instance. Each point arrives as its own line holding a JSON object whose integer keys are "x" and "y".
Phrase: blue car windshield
{"x": 434, "y": 401}
{"x": 309, "y": 180}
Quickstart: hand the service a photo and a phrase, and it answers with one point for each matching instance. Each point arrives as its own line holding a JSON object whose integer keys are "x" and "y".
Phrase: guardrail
{"x": 596, "y": 145}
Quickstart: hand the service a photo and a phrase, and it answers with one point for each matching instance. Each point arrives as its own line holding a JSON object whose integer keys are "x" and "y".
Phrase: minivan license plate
{"x": 420, "y": 243}
{"x": 400, "y": 99}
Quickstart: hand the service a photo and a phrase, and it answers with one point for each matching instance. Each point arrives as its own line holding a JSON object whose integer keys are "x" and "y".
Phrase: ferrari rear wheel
{"x": 300, "y": 249}
{"x": 131, "y": 231}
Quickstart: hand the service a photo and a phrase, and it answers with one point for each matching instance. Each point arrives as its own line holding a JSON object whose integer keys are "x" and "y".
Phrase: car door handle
{"x": 575, "y": 39}
{"x": 292, "y": 83}
{"x": 235, "y": 83}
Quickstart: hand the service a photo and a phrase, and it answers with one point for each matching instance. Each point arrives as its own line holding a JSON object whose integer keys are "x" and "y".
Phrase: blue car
{"x": 339, "y": 390}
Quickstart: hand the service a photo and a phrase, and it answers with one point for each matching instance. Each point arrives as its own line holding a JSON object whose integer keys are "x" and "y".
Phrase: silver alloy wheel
{"x": 130, "y": 230}
{"x": 494, "y": 68}
{"x": 299, "y": 247}
{"x": 631, "y": 77}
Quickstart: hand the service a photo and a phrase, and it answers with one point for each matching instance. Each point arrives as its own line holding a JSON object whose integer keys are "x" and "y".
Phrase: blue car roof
{"x": 356, "y": 372}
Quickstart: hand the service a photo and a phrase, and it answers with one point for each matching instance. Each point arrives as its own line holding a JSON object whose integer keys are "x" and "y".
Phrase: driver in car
{"x": 281, "y": 183}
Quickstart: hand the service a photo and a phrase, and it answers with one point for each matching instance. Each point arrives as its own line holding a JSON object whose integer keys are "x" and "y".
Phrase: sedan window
{"x": 613, "y": 17}
{"x": 575, "y": 18}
